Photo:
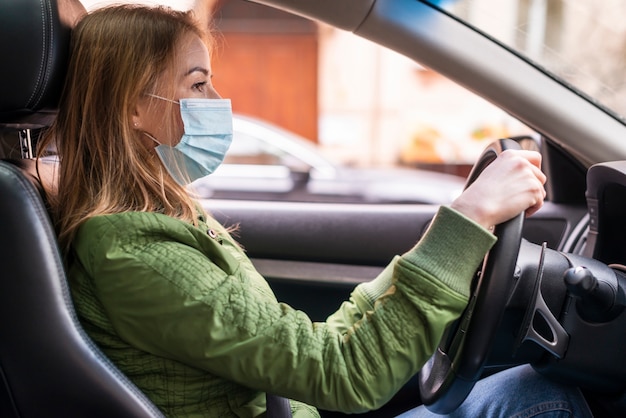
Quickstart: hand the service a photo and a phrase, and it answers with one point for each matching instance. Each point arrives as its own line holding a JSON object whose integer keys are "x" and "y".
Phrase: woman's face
{"x": 192, "y": 79}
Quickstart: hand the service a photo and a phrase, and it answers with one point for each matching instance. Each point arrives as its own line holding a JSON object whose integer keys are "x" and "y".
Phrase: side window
{"x": 374, "y": 108}
{"x": 388, "y": 130}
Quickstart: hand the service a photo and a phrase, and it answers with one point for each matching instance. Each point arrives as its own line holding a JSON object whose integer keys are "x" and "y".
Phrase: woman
{"x": 167, "y": 293}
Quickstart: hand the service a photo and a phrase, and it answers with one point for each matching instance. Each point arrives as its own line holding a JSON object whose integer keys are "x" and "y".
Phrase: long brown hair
{"x": 118, "y": 55}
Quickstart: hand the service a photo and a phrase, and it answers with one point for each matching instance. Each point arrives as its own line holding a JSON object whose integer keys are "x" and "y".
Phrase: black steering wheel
{"x": 450, "y": 374}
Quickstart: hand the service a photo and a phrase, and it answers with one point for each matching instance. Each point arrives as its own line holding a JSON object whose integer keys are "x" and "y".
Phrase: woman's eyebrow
{"x": 199, "y": 69}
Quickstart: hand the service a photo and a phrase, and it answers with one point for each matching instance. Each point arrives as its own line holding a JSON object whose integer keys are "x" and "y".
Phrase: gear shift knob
{"x": 595, "y": 298}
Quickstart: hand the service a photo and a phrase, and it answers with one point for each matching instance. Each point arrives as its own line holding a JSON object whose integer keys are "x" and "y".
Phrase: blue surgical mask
{"x": 208, "y": 133}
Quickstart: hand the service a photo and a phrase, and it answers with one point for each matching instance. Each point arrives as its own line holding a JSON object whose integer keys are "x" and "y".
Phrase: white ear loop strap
{"x": 165, "y": 98}
{"x": 151, "y": 137}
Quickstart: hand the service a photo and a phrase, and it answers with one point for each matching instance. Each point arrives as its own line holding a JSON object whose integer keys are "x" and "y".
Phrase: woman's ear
{"x": 136, "y": 120}
{"x": 139, "y": 111}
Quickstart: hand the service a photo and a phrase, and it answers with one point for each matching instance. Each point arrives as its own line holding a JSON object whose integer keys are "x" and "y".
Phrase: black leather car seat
{"x": 49, "y": 367}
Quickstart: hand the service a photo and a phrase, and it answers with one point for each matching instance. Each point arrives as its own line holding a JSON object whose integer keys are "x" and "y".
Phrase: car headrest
{"x": 34, "y": 46}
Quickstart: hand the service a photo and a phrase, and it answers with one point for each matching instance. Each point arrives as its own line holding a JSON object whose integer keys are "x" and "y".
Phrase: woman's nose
{"x": 213, "y": 94}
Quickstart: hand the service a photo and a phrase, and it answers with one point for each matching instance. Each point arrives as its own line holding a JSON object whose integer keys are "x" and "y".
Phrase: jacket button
{"x": 211, "y": 233}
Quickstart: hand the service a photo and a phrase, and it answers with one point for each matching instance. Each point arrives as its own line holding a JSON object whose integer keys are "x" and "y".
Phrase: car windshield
{"x": 582, "y": 42}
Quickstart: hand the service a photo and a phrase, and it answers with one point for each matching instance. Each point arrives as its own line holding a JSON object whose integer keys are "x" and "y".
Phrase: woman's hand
{"x": 511, "y": 184}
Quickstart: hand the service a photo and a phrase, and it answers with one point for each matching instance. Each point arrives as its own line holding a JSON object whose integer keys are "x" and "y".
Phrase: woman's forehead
{"x": 193, "y": 55}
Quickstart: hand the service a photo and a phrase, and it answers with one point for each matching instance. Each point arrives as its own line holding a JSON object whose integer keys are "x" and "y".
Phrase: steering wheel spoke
{"x": 559, "y": 341}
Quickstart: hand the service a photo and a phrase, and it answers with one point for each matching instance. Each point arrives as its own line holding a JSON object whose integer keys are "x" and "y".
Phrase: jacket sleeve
{"x": 168, "y": 298}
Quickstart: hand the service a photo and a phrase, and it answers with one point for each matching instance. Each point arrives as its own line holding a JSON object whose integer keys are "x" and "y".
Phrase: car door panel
{"x": 313, "y": 255}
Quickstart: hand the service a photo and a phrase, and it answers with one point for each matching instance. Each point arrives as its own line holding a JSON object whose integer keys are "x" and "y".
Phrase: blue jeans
{"x": 519, "y": 392}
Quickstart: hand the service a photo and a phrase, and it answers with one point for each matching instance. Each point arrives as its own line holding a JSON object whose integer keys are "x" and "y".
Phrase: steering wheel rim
{"x": 450, "y": 374}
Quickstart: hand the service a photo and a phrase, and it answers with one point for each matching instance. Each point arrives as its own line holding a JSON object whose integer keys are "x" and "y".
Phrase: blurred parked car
{"x": 266, "y": 162}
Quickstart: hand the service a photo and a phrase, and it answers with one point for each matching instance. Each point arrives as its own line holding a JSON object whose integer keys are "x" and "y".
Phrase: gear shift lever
{"x": 598, "y": 301}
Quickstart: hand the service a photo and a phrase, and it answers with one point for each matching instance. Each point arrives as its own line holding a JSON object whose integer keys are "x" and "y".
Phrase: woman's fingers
{"x": 511, "y": 184}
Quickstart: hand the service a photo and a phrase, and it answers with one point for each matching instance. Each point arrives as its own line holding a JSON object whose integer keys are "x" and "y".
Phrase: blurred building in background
{"x": 267, "y": 62}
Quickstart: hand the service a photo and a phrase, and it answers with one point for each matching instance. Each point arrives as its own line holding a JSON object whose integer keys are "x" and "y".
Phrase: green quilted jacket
{"x": 183, "y": 313}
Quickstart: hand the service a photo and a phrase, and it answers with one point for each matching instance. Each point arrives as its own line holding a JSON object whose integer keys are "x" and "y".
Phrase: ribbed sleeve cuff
{"x": 451, "y": 250}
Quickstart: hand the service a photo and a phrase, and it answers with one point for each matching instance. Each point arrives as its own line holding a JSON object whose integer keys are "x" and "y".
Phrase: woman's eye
{"x": 200, "y": 86}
